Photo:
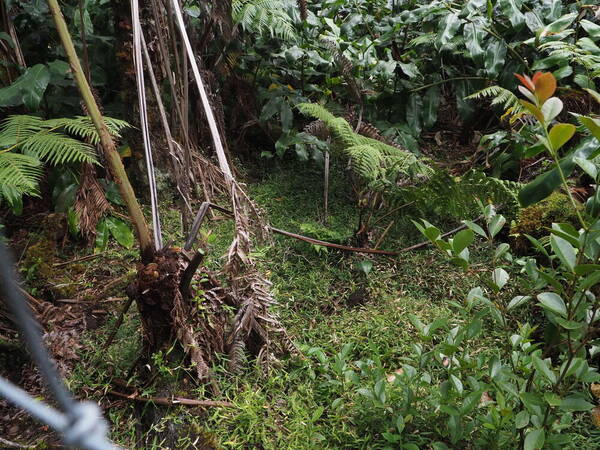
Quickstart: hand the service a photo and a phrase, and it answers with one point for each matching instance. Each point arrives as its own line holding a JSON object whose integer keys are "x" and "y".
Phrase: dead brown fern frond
{"x": 90, "y": 203}
{"x": 302, "y": 6}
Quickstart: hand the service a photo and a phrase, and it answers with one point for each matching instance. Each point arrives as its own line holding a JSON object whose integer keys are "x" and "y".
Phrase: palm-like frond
{"x": 264, "y": 16}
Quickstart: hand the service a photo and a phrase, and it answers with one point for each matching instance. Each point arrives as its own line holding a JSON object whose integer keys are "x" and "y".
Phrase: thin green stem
{"x": 447, "y": 80}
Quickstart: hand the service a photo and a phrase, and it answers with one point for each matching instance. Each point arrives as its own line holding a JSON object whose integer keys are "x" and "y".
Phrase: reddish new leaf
{"x": 526, "y": 81}
{"x": 545, "y": 85}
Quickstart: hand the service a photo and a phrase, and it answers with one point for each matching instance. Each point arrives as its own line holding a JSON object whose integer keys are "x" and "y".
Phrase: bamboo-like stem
{"x": 111, "y": 154}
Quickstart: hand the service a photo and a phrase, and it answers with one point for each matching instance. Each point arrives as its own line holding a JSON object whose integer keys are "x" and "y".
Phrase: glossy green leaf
{"x": 590, "y": 280}
{"x": 513, "y": 12}
{"x": 495, "y": 58}
{"x": 560, "y": 24}
{"x": 563, "y": 72}
{"x": 564, "y": 250}
{"x": 120, "y": 231}
{"x": 462, "y": 240}
{"x": 552, "y": 108}
{"x": 595, "y": 95}
{"x": 414, "y": 109}
{"x": 500, "y": 278}
{"x": 431, "y": 106}
{"x": 553, "y": 302}
{"x": 102, "y": 234}
{"x": 545, "y": 184}
{"x": 457, "y": 383}
{"x": 448, "y": 28}
{"x": 496, "y": 225}
{"x": 593, "y": 29}
{"x": 474, "y": 36}
{"x": 534, "y": 439}
{"x": 28, "y": 89}
{"x": 560, "y": 134}
{"x": 587, "y": 166}
{"x": 534, "y": 110}
{"x": 272, "y": 107}
{"x": 591, "y": 124}
{"x": 476, "y": 228}
{"x": 542, "y": 367}
{"x": 518, "y": 301}
{"x": 575, "y": 403}
{"x": 287, "y": 117}
{"x": 522, "y": 419}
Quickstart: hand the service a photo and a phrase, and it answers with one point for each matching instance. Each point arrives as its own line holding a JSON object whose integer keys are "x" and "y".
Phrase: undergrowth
{"x": 338, "y": 317}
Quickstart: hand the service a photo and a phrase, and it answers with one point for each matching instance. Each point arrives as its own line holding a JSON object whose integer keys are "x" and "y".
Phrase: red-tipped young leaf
{"x": 526, "y": 81}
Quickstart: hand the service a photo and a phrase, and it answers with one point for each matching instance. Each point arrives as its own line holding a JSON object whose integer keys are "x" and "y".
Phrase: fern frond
{"x": 262, "y": 16}
{"x": 424, "y": 39}
{"x": 366, "y": 161}
{"x": 56, "y": 148}
{"x": 83, "y": 127}
{"x": 19, "y": 174}
{"x": 16, "y": 128}
{"x": 26, "y": 142}
{"x": 316, "y": 111}
{"x": 372, "y": 160}
{"x": 447, "y": 196}
{"x": 500, "y": 97}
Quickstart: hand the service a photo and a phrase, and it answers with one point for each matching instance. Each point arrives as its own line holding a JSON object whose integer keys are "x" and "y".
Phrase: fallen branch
{"x": 173, "y": 401}
{"x": 10, "y": 444}
{"x": 124, "y": 310}
{"x": 205, "y": 205}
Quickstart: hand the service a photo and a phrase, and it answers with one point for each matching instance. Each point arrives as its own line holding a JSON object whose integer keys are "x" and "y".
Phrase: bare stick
{"x": 173, "y": 401}
{"x": 124, "y": 310}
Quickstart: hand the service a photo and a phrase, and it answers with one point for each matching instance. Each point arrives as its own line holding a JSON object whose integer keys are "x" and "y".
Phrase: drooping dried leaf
{"x": 90, "y": 203}
{"x": 596, "y": 416}
{"x": 595, "y": 388}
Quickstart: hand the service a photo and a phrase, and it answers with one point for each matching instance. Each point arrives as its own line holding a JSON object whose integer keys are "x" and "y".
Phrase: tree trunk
{"x": 108, "y": 146}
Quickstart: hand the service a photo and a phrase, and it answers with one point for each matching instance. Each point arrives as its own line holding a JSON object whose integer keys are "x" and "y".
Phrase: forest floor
{"x": 324, "y": 300}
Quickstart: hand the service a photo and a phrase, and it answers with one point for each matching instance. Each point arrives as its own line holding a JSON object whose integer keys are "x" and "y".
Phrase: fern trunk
{"x": 108, "y": 146}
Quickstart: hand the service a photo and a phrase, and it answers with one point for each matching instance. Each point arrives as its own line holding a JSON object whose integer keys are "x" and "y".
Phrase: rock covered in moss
{"x": 536, "y": 220}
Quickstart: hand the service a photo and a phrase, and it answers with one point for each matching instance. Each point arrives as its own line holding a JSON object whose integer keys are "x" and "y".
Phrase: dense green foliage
{"x": 417, "y": 104}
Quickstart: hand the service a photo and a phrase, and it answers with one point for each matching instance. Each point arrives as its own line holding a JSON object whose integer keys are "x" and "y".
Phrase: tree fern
{"x": 26, "y": 142}
{"x": 371, "y": 160}
{"x": 386, "y": 169}
{"x": 264, "y": 16}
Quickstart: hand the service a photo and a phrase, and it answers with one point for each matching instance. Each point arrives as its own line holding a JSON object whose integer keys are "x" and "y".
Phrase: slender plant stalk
{"x": 108, "y": 146}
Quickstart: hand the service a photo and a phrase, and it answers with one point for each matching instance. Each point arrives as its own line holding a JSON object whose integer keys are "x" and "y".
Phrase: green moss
{"x": 536, "y": 220}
